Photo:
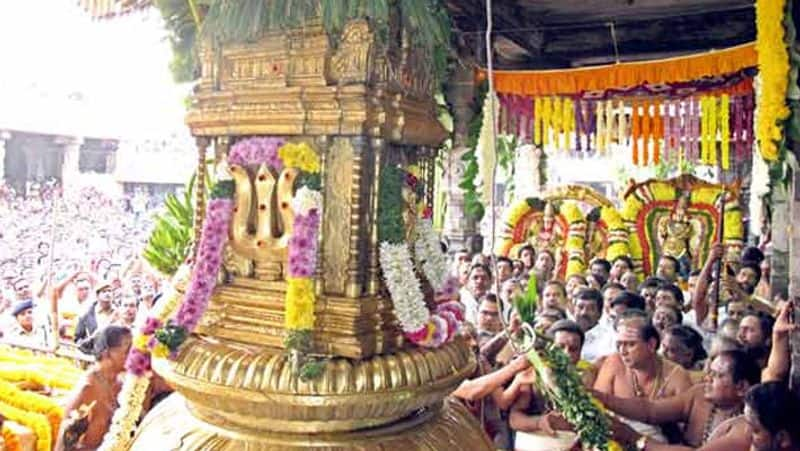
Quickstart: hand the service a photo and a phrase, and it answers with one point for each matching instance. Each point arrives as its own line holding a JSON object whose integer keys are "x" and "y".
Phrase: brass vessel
{"x": 363, "y": 104}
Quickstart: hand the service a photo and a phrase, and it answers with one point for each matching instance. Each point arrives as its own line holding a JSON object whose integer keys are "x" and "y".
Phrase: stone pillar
{"x": 458, "y": 228}
{"x": 4, "y": 138}
{"x": 780, "y": 239}
{"x": 793, "y": 263}
{"x": 527, "y": 177}
{"x": 70, "y": 169}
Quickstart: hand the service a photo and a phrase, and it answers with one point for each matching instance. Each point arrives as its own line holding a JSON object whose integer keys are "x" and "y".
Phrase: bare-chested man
{"x": 711, "y": 411}
{"x": 636, "y": 370}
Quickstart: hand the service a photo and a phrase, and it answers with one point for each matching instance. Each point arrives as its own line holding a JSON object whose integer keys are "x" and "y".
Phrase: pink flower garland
{"x": 204, "y": 279}
{"x": 303, "y": 244}
{"x": 255, "y": 151}
{"x": 209, "y": 260}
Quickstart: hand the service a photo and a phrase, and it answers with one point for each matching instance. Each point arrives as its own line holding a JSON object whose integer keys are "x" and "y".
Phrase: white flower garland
{"x": 134, "y": 388}
{"x": 398, "y": 271}
{"x": 429, "y": 256}
{"x": 305, "y": 200}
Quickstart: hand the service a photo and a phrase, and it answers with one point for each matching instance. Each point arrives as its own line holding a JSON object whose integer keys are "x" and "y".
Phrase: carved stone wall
{"x": 458, "y": 228}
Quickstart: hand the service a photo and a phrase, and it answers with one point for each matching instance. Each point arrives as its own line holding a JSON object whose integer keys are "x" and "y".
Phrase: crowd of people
{"x": 74, "y": 254}
{"x": 676, "y": 370}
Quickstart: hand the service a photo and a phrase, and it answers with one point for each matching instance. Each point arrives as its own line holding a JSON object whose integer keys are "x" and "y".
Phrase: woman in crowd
{"x": 88, "y": 414}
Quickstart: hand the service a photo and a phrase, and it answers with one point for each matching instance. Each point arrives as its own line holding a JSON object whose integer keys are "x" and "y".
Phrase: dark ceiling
{"x": 539, "y": 34}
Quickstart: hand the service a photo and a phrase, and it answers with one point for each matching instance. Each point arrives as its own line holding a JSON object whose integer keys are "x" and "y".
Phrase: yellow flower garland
{"x": 36, "y": 422}
{"x": 300, "y": 156}
{"x": 300, "y": 303}
{"x": 34, "y": 403}
{"x": 576, "y": 238}
{"x": 601, "y": 127}
{"x": 10, "y": 440}
{"x": 773, "y": 66}
{"x": 546, "y": 120}
{"x": 725, "y": 130}
{"x": 569, "y": 123}
{"x": 538, "y": 120}
{"x": 618, "y": 235}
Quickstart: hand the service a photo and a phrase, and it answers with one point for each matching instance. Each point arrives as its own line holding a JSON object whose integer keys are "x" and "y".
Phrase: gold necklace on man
{"x": 637, "y": 388}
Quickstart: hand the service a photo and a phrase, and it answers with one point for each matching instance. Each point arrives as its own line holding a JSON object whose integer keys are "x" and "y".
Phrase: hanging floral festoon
{"x": 401, "y": 230}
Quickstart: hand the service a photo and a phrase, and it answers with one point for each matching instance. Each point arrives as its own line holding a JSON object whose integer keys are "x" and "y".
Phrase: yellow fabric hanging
{"x": 725, "y": 130}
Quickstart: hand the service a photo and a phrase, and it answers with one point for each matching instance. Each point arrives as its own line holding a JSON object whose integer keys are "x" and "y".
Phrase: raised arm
{"x": 666, "y": 410}
{"x": 779, "y": 361}
{"x": 483, "y": 386}
{"x": 700, "y": 296}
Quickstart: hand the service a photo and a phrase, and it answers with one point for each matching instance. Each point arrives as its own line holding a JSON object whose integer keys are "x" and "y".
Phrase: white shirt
{"x": 599, "y": 341}
{"x": 470, "y": 305}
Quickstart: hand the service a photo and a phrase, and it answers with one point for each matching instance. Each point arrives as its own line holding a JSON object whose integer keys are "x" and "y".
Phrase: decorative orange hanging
{"x": 646, "y": 134}
{"x": 658, "y": 131}
{"x": 669, "y": 70}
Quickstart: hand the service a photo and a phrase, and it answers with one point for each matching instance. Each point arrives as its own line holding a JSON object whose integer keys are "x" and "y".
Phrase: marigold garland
{"x": 36, "y": 422}
{"x": 10, "y": 440}
{"x": 773, "y": 66}
{"x": 725, "y": 130}
{"x": 34, "y": 403}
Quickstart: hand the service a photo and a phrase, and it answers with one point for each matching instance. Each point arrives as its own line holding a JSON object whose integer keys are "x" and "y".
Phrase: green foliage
{"x": 172, "y": 235}
{"x": 309, "y": 180}
{"x": 390, "y": 205}
{"x": 172, "y": 336}
{"x": 473, "y": 207}
{"x": 526, "y": 303}
{"x": 179, "y": 22}
{"x": 299, "y": 340}
{"x": 312, "y": 369}
{"x": 569, "y": 396}
{"x": 223, "y": 190}
{"x": 506, "y": 159}
{"x": 427, "y": 22}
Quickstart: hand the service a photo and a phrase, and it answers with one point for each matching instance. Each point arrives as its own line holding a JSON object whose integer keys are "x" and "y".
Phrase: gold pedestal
{"x": 449, "y": 427}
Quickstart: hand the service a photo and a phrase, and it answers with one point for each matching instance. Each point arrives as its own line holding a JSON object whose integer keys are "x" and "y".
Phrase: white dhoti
{"x": 562, "y": 441}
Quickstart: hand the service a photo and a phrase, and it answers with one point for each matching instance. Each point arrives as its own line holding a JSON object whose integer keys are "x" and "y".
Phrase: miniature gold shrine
{"x": 363, "y": 105}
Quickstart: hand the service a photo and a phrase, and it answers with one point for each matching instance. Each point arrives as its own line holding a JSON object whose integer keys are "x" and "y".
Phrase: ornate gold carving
{"x": 350, "y": 63}
{"x": 336, "y": 221}
{"x": 308, "y": 53}
{"x": 235, "y": 265}
{"x": 171, "y": 426}
{"x": 251, "y": 311}
{"x": 263, "y": 205}
{"x": 255, "y": 65}
{"x": 256, "y": 391}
